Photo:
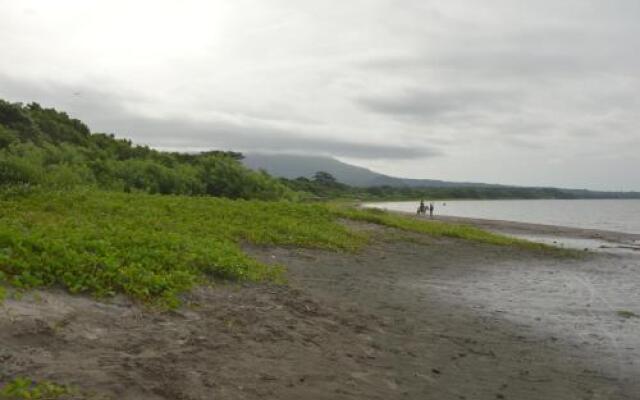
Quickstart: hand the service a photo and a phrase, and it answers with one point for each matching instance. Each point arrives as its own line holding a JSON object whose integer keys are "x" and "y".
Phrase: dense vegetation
{"x": 44, "y": 147}
{"x": 149, "y": 247}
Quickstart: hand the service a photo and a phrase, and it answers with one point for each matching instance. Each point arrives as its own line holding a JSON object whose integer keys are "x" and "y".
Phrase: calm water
{"x": 611, "y": 215}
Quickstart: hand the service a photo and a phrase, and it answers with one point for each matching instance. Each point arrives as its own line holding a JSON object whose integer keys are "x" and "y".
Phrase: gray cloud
{"x": 500, "y": 90}
{"x": 105, "y": 112}
{"x": 427, "y": 104}
{"x": 182, "y": 134}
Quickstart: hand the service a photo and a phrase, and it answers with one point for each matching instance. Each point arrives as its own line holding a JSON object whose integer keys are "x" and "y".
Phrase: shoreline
{"x": 516, "y": 227}
{"x": 573, "y": 237}
{"x": 411, "y": 316}
{"x": 489, "y": 318}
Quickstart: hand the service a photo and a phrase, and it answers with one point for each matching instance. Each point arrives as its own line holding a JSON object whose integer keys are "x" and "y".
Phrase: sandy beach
{"x": 409, "y": 317}
{"x": 615, "y": 240}
{"x": 320, "y": 200}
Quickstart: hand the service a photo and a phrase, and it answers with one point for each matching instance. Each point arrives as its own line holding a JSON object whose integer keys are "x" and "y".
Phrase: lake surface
{"x": 611, "y": 215}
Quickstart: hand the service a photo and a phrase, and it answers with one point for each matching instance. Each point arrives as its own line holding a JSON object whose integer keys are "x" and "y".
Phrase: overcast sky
{"x": 542, "y": 92}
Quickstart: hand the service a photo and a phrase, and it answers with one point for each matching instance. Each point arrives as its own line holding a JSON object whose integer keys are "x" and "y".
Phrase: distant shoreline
{"x": 525, "y": 228}
{"x": 515, "y": 227}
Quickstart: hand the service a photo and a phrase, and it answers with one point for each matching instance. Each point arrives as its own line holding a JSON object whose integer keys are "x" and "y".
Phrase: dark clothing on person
{"x": 422, "y": 209}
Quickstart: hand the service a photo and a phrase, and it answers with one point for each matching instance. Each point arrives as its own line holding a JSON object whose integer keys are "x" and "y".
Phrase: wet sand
{"x": 615, "y": 239}
{"x": 409, "y": 317}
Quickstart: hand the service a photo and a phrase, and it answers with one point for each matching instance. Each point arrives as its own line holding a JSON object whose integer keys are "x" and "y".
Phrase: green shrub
{"x": 46, "y": 147}
{"x": 7, "y": 137}
{"x": 15, "y": 171}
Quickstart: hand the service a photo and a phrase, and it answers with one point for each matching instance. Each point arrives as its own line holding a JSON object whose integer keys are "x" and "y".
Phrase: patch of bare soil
{"x": 471, "y": 321}
{"x": 228, "y": 342}
{"x": 403, "y": 319}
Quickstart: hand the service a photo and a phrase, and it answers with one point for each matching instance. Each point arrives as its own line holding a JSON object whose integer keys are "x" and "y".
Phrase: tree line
{"x": 44, "y": 147}
{"x": 47, "y": 148}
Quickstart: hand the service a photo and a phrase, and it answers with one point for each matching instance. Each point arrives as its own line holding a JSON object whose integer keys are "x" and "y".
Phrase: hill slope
{"x": 293, "y": 166}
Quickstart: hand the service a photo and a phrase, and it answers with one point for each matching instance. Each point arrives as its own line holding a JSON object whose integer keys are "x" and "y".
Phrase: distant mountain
{"x": 294, "y": 166}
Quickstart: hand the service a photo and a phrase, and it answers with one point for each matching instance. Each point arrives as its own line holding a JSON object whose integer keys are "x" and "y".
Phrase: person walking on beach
{"x": 422, "y": 210}
{"x": 431, "y": 210}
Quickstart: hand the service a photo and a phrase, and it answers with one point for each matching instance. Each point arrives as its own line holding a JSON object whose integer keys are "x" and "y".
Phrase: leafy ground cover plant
{"x": 24, "y": 388}
{"x": 153, "y": 247}
{"x": 150, "y": 247}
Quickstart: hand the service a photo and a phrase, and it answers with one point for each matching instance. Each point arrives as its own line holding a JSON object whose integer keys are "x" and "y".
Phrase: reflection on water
{"x": 611, "y": 215}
